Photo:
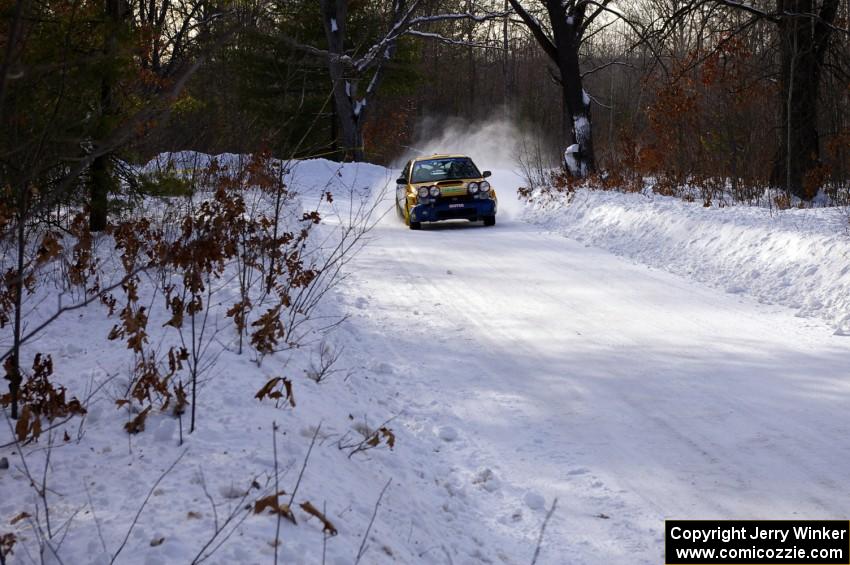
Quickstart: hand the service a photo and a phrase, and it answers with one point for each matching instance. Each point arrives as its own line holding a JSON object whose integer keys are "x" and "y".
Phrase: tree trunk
{"x": 100, "y": 185}
{"x": 579, "y": 158}
{"x": 348, "y": 112}
{"x": 101, "y": 178}
{"x": 13, "y": 364}
{"x": 471, "y": 90}
{"x": 506, "y": 71}
{"x": 803, "y": 42}
{"x": 334, "y": 132}
{"x": 352, "y": 136}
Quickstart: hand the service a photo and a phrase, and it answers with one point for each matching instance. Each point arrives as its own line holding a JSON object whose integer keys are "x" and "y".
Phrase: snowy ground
{"x": 518, "y": 366}
{"x": 798, "y": 258}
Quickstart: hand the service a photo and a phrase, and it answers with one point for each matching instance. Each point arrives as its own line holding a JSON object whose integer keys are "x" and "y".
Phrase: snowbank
{"x": 794, "y": 258}
{"x": 99, "y": 477}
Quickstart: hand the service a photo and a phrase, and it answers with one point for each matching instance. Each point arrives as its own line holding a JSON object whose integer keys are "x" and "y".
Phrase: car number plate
{"x": 455, "y": 205}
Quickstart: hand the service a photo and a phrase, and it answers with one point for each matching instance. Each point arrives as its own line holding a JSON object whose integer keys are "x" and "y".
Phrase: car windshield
{"x": 449, "y": 168}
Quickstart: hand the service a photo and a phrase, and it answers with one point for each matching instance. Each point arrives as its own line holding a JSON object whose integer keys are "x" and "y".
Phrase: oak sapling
{"x": 250, "y": 230}
{"x": 40, "y": 399}
{"x": 204, "y": 249}
{"x": 31, "y": 248}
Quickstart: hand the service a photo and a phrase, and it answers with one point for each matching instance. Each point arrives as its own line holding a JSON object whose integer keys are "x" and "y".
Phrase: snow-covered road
{"x": 541, "y": 368}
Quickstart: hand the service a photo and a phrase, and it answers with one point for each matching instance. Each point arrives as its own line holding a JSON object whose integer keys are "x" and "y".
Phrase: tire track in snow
{"x": 651, "y": 378}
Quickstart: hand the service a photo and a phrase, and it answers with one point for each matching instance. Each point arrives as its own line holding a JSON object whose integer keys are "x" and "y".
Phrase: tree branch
{"x": 536, "y": 28}
{"x": 605, "y": 66}
{"x": 449, "y": 40}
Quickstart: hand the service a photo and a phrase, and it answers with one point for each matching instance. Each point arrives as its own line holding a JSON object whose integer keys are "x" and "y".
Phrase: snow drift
{"x": 799, "y": 258}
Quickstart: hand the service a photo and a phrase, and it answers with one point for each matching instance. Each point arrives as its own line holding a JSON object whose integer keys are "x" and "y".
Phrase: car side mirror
{"x": 486, "y": 174}
{"x": 401, "y": 180}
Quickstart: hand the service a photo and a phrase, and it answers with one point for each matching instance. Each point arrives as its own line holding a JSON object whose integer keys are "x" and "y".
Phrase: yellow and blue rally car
{"x": 444, "y": 187}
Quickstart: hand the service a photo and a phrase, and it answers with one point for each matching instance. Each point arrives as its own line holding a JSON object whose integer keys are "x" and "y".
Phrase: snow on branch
{"x": 323, "y": 53}
{"x": 404, "y": 23}
{"x": 748, "y": 8}
{"x": 449, "y": 40}
{"x": 459, "y": 16}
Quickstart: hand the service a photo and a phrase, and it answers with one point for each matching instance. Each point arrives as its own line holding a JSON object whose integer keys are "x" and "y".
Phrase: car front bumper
{"x": 453, "y": 210}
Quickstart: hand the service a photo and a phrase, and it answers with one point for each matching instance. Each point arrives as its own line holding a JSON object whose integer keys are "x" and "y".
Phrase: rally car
{"x": 444, "y": 187}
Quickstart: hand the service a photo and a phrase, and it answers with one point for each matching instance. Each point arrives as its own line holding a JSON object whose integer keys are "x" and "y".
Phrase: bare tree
{"x": 348, "y": 73}
{"x": 804, "y": 29}
{"x": 804, "y": 32}
{"x": 568, "y": 23}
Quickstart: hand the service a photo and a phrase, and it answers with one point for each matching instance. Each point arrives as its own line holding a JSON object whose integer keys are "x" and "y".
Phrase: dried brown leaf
{"x": 271, "y": 502}
{"x": 19, "y": 517}
{"x": 22, "y": 427}
{"x": 389, "y": 436}
{"x": 267, "y": 388}
{"x": 137, "y": 424}
{"x": 288, "y": 386}
{"x": 313, "y": 511}
{"x": 7, "y": 542}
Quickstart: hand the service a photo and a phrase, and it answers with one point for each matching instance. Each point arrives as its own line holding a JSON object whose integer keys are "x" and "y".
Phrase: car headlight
{"x": 435, "y": 191}
{"x": 422, "y": 192}
{"x": 472, "y": 187}
{"x": 484, "y": 187}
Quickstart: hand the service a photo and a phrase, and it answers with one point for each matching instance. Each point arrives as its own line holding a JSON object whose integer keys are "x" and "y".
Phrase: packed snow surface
{"x": 515, "y": 366}
{"x": 630, "y": 394}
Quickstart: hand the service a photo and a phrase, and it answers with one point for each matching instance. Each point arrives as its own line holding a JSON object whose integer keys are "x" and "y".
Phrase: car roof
{"x": 441, "y": 156}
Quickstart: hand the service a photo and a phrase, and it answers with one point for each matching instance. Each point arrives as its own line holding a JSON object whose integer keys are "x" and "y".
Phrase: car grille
{"x": 457, "y": 213}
